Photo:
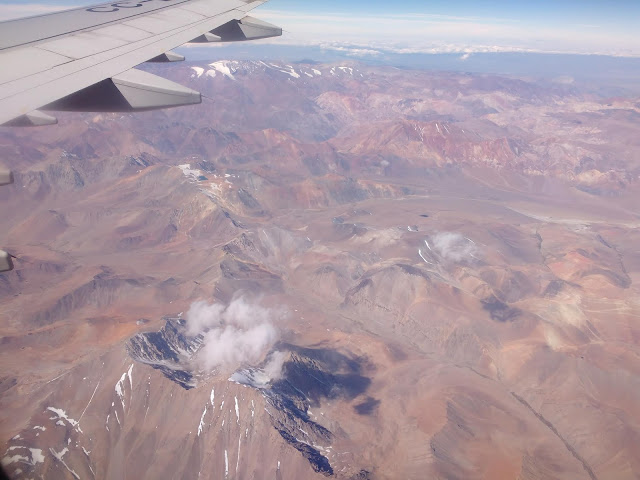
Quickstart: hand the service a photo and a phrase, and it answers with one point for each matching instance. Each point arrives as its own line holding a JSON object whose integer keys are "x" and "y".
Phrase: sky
{"x": 370, "y": 27}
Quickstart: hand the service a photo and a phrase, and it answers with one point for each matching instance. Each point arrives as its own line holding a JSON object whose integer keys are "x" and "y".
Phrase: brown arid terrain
{"x": 326, "y": 270}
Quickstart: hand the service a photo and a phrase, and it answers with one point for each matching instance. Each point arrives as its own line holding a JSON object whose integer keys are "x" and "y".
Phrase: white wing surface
{"x": 83, "y": 59}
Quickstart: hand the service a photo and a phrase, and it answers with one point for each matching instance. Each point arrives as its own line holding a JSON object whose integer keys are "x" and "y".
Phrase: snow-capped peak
{"x": 225, "y": 67}
{"x": 230, "y": 68}
{"x": 197, "y": 72}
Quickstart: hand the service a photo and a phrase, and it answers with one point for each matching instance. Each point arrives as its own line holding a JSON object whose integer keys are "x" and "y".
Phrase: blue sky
{"x": 465, "y": 26}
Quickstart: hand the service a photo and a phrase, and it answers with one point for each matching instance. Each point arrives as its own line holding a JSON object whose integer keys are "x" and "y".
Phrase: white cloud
{"x": 367, "y": 35}
{"x": 273, "y": 367}
{"x": 237, "y": 335}
{"x": 446, "y": 34}
{"x": 453, "y": 247}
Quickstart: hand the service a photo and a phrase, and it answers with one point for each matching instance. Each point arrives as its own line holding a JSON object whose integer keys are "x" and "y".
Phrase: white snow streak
{"x": 59, "y": 456}
{"x": 291, "y": 72}
{"x": 238, "y": 460}
{"x": 36, "y": 456}
{"x": 120, "y": 388}
{"x": 422, "y": 256}
{"x": 237, "y": 412}
{"x": 85, "y": 408}
{"x": 201, "y": 426}
{"x": 226, "y": 465}
{"x": 130, "y": 371}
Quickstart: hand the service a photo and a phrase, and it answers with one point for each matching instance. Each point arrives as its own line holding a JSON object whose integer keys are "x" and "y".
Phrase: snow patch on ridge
{"x": 119, "y": 388}
{"x": 36, "y": 455}
{"x": 291, "y": 72}
{"x": 251, "y": 377}
{"x": 190, "y": 173}
{"x": 59, "y": 456}
{"x": 62, "y": 415}
{"x": 225, "y": 67}
{"x": 34, "y": 458}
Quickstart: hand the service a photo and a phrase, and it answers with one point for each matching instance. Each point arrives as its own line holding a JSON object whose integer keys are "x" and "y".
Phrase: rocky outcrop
{"x": 170, "y": 350}
{"x": 309, "y": 376}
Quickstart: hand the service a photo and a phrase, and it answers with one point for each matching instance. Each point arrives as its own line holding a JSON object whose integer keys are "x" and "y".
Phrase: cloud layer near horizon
{"x": 419, "y": 33}
{"x": 373, "y": 34}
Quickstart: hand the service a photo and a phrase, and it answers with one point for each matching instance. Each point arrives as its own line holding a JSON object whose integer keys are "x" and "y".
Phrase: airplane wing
{"x": 83, "y": 59}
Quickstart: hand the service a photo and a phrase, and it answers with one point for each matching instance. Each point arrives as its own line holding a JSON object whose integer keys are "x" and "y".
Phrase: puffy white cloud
{"x": 273, "y": 367}
{"x": 237, "y": 335}
{"x": 453, "y": 247}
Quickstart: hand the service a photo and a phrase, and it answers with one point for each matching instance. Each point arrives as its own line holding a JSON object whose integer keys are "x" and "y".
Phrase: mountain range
{"x": 342, "y": 270}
